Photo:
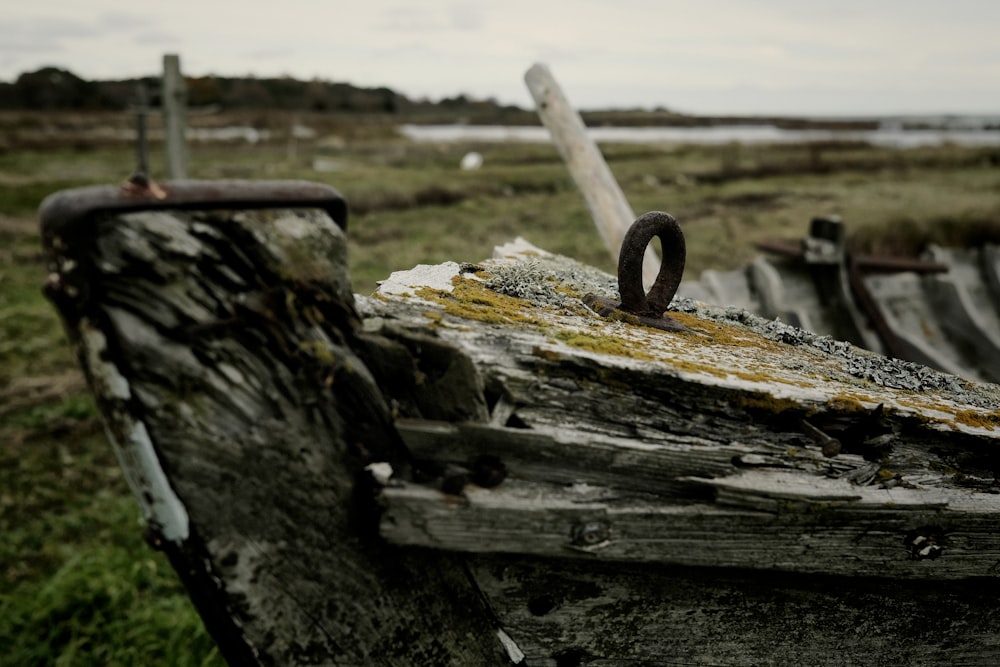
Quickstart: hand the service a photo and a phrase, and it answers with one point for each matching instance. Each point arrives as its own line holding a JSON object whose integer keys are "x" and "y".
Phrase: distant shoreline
{"x": 888, "y": 134}
{"x": 57, "y": 90}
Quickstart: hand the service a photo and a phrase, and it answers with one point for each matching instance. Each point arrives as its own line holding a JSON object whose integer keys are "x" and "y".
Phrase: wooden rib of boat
{"x": 471, "y": 466}
{"x": 942, "y": 310}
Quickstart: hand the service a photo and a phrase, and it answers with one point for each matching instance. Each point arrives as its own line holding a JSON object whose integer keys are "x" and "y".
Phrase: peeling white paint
{"x": 231, "y": 373}
{"x": 403, "y": 283}
{"x": 519, "y": 248}
{"x": 157, "y": 497}
{"x": 136, "y": 455}
{"x": 514, "y": 652}
{"x": 381, "y": 472}
{"x": 110, "y": 383}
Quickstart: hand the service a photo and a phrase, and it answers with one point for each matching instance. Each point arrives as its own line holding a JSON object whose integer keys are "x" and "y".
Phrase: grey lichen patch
{"x": 525, "y": 280}
{"x": 863, "y": 364}
{"x": 308, "y": 245}
{"x": 552, "y": 281}
{"x": 539, "y": 297}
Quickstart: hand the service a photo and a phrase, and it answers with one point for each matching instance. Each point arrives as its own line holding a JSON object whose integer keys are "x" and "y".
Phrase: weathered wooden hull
{"x": 942, "y": 310}
{"x": 471, "y": 467}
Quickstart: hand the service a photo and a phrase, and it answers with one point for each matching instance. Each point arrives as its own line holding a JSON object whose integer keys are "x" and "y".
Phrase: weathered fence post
{"x": 141, "y": 139}
{"x": 174, "y": 116}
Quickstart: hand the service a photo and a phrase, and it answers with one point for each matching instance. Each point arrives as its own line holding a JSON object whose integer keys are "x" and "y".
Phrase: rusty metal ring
{"x": 634, "y": 298}
{"x": 647, "y": 309}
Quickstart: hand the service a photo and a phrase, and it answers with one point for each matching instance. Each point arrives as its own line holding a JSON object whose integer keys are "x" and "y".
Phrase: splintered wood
{"x": 471, "y": 467}
{"x": 709, "y": 447}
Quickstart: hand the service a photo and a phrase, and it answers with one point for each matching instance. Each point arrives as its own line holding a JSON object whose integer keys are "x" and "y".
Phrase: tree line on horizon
{"x": 55, "y": 89}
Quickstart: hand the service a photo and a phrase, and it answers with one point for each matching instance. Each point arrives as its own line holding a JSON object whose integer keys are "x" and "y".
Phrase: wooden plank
{"x": 608, "y": 206}
{"x": 584, "y": 612}
{"x": 763, "y": 520}
{"x": 536, "y": 455}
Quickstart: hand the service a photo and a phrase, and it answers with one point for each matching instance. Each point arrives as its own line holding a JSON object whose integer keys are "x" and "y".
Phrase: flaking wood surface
{"x": 669, "y": 498}
{"x": 708, "y": 448}
{"x": 594, "y": 613}
{"x": 233, "y": 333}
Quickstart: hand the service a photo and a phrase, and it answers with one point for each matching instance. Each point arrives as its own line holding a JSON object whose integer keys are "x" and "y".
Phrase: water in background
{"x": 891, "y": 133}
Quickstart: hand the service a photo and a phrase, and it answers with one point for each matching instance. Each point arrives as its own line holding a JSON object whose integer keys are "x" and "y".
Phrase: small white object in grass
{"x": 471, "y": 160}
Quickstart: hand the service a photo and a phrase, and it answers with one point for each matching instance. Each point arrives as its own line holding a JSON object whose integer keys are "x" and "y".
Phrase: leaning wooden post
{"x": 608, "y": 206}
{"x": 174, "y": 106}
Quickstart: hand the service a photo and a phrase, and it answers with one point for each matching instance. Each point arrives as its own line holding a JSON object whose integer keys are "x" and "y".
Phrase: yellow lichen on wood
{"x": 979, "y": 418}
{"x": 729, "y": 335}
{"x": 546, "y": 353}
{"x": 772, "y": 404}
{"x": 319, "y": 350}
{"x": 846, "y": 404}
{"x": 780, "y": 367}
{"x": 697, "y": 351}
{"x": 471, "y": 299}
{"x": 604, "y": 345}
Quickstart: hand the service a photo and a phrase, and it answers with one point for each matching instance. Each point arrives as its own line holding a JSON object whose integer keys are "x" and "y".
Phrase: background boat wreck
{"x": 472, "y": 467}
{"x": 942, "y": 309}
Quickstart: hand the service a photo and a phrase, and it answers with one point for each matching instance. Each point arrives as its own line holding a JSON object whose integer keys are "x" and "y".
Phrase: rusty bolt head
{"x": 832, "y": 448}
{"x": 590, "y": 533}
{"x": 488, "y": 471}
{"x": 925, "y": 543}
{"x": 153, "y": 536}
{"x": 454, "y": 481}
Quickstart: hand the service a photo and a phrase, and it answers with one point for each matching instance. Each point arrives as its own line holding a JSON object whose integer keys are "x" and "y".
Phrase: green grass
{"x": 105, "y": 597}
{"x": 78, "y": 586}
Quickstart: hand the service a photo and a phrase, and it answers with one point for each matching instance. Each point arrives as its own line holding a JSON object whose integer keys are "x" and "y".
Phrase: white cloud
{"x": 467, "y": 16}
{"x": 711, "y": 56}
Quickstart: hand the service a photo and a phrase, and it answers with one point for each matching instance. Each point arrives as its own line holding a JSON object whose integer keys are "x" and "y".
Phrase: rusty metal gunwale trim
{"x": 865, "y": 263}
{"x": 62, "y": 211}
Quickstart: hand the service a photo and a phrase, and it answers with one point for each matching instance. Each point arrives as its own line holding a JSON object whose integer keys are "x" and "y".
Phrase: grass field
{"x": 77, "y": 584}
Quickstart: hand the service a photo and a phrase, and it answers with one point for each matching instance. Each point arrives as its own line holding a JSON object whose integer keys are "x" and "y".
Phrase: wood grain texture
{"x": 591, "y": 613}
{"x": 232, "y": 330}
{"x": 666, "y": 497}
{"x": 728, "y": 530}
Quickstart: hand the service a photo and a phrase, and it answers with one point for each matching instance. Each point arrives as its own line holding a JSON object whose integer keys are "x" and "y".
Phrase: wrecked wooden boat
{"x": 941, "y": 310}
{"x": 474, "y": 465}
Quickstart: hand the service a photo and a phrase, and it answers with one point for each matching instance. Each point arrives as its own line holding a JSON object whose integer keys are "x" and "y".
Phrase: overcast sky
{"x": 703, "y": 56}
